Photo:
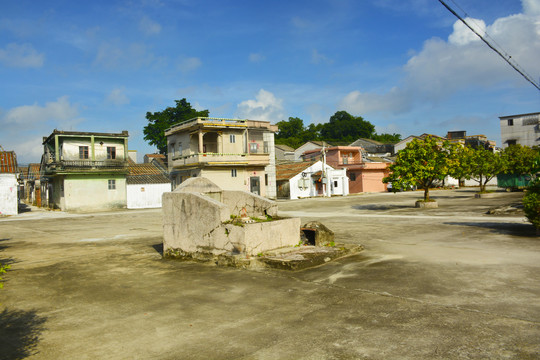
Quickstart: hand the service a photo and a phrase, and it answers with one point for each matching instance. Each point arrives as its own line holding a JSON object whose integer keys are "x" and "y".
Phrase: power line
{"x": 506, "y": 57}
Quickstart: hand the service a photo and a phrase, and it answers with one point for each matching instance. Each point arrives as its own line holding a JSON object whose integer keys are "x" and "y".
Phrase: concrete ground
{"x": 446, "y": 283}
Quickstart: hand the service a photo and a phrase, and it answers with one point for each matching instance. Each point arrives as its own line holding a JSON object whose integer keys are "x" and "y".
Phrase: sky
{"x": 407, "y": 66}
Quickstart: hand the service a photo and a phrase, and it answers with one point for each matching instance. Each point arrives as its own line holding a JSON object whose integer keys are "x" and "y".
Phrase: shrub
{"x": 531, "y": 204}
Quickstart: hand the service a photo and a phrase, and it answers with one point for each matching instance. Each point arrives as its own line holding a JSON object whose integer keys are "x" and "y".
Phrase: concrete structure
{"x": 149, "y": 157}
{"x": 9, "y": 185}
{"x": 145, "y": 186}
{"x": 364, "y": 175}
{"x": 284, "y": 153}
{"x": 235, "y": 154}
{"x": 305, "y": 179}
{"x": 202, "y": 221}
{"x": 474, "y": 141}
{"x": 373, "y": 147}
{"x": 523, "y": 129}
{"x": 84, "y": 171}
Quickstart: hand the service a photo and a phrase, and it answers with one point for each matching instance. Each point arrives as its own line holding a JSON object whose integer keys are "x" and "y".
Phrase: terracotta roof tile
{"x": 8, "y": 162}
{"x": 288, "y": 170}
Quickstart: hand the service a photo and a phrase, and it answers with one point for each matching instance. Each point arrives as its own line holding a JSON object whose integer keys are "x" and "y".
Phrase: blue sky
{"x": 406, "y": 66}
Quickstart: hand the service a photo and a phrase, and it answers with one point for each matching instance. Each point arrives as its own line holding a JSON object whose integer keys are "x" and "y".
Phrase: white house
{"x": 306, "y": 179}
{"x": 145, "y": 185}
{"x": 9, "y": 185}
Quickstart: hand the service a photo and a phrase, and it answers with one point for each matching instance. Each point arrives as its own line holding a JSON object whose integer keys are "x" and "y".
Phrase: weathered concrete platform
{"x": 290, "y": 258}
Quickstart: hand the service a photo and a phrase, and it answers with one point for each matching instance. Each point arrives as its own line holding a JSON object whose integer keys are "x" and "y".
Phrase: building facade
{"x": 523, "y": 129}
{"x": 364, "y": 176}
{"x": 85, "y": 171}
{"x": 234, "y": 154}
{"x": 9, "y": 185}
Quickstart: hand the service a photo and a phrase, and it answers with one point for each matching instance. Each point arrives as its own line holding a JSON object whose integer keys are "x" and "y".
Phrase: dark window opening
{"x": 83, "y": 152}
{"x": 111, "y": 152}
{"x": 510, "y": 122}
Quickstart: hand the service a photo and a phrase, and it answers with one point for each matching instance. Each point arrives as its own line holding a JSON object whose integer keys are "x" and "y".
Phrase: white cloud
{"x": 317, "y": 57}
{"x": 443, "y": 68}
{"x": 188, "y": 64}
{"x": 149, "y": 27}
{"x": 117, "y": 97}
{"x": 531, "y": 7}
{"x": 60, "y": 110}
{"x": 115, "y": 55}
{"x": 24, "y": 55}
{"x": 256, "y": 57}
{"x": 265, "y": 107}
{"x": 462, "y": 35}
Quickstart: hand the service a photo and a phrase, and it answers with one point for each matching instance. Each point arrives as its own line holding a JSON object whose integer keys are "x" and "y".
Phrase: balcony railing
{"x": 255, "y": 159}
{"x": 87, "y": 164}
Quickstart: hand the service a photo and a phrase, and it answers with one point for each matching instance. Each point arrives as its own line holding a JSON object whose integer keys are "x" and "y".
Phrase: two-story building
{"x": 84, "y": 171}
{"x": 364, "y": 175}
{"x": 234, "y": 154}
{"x": 523, "y": 129}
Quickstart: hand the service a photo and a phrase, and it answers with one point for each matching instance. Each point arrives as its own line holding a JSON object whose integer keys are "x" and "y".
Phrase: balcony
{"x": 87, "y": 165}
{"x": 217, "y": 159}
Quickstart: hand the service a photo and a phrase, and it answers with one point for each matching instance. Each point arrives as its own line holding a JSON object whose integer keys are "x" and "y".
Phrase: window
{"x": 172, "y": 149}
{"x": 111, "y": 153}
{"x": 179, "y": 152}
{"x": 266, "y": 149}
{"x": 83, "y": 152}
{"x": 233, "y": 173}
{"x": 510, "y": 122}
{"x": 335, "y": 183}
{"x": 232, "y": 139}
{"x": 112, "y": 184}
{"x": 345, "y": 160}
{"x": 352, "y": 176}
{"x": 511, "y": 142}
{"x": 253, "y": 148}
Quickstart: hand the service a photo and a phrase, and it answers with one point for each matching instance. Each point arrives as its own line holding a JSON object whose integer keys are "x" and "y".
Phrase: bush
{"x": 531, "y": 204}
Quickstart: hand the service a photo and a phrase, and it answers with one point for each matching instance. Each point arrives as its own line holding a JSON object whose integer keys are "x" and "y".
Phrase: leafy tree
{"x": 521, "y": 160}
{"x": 422, "y": 162}
{"x": 346, "y": 127}
{"x": 387, "y": 138}
{"x": 290, "y": 128}
{"x": 160, "y": 121}
{"x": 531, "y": 203}
{"x": 460, "y": 166}
{"x": 484, "y": 165}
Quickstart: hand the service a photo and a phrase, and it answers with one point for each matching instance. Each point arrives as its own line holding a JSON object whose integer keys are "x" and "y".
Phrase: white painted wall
{"x": 91, "y": 193}
{"x": 450, "y": 181}
{"x": 9, "y": 202}
{"x": 305, "y": 187}
{"x": 145, "y": 196}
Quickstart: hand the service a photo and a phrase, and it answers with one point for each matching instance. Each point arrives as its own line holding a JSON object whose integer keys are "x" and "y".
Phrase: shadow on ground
{"x": 525, "y": 230}
{"x": 158, "y": 248}
{"x": 382, "y": 207}
{"x": 19, "y": 333}
{"x": 23, "y": 208}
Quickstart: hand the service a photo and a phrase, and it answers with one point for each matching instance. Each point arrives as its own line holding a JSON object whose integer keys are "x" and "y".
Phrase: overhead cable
{"x": 506, "y": 58}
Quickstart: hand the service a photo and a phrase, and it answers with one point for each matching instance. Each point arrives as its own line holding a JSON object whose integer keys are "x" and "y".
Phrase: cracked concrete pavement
{"x": 446, "y": 283}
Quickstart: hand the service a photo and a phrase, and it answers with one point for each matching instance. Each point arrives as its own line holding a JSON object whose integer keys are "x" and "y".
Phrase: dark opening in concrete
{"x": 309, "y": 235}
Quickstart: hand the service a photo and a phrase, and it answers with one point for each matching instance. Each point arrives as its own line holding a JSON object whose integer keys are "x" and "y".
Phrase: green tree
{"x": 344, "y": 127}
{"x": 290, "y": 128}
{"x": 387, "y": 138}
{"x": 484, "y": 165}
{"x": 160, "y": 121}
{"x": 521, "y": 160}
{"x": 3, "y": 269}
{"x": 460, "y": 166}
{"x": 421, "y": 163}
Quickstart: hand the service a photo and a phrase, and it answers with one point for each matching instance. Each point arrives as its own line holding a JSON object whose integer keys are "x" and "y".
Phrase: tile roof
{"x": 8, "y": 162}
{"x": 288, "y": 170}
{"x": 145, "y": 174}
{"x": 284, "y": 147}
{"x": 33, "y": 172}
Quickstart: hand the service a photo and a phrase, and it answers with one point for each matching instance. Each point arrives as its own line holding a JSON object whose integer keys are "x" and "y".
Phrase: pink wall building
{"x": 363, "y": 176}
